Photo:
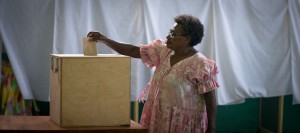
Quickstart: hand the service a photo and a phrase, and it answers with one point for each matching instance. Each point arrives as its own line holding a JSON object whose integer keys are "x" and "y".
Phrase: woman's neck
{"x": 184, "y": 52}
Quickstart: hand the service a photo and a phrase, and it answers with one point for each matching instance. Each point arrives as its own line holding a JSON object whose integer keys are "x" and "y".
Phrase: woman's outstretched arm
{"x": 121, "y": 48}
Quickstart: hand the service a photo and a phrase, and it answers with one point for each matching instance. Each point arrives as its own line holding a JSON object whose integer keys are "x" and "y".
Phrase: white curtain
{"x": 26, "y": 28}
{"x": 255, "y": 43}
{"x": 252, "y": 49}
{"x": 294, "y": 11}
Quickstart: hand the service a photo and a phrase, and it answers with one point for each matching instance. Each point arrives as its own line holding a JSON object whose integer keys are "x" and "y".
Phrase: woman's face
{"x": 176, "y": 39}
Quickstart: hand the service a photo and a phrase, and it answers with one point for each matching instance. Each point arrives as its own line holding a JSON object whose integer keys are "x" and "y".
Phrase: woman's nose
{"x": 168, "y": 36}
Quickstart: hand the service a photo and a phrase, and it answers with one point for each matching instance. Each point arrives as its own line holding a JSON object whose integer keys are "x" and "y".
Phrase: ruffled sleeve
{"x": 150, "y": 54}
{"x": 204, "y": 75}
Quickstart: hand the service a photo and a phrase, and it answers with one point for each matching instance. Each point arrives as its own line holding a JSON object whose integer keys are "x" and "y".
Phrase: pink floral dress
{"x": 175, "y": 101}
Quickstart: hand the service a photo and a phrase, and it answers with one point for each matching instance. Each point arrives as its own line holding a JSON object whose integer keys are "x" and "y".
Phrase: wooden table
{"x": 44, "y": 124}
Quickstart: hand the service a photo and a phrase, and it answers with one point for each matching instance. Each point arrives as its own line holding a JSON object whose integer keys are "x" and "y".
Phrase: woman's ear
{"x": 188, "y": 39}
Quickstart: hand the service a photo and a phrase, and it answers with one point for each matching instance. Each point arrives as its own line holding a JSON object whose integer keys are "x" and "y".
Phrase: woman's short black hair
{"x": 191, "y": 27}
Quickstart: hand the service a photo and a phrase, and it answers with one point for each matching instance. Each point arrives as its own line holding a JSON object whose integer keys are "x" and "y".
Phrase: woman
{"x": 181, "y": 96}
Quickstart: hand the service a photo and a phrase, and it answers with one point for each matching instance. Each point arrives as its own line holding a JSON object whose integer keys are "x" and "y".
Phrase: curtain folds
{"x": 294, "y": 18}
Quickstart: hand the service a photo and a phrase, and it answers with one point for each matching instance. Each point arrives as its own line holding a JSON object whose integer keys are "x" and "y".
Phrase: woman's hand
{"x": 95, "y": 36}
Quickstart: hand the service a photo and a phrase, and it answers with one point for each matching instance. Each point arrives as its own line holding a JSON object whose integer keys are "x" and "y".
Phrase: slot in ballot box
{"x": 90, "y": 90}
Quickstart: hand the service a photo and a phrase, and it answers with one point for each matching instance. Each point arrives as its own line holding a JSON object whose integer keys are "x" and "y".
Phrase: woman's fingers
{"x": 94, "y": 36}
{"x": 89, "y": 34}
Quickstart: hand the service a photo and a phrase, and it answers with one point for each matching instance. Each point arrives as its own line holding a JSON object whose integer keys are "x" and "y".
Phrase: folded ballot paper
{"x": 89, "y": 47}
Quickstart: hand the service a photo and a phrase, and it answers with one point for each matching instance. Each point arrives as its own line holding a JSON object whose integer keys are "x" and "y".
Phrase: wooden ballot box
{"x": 90, "y": 90}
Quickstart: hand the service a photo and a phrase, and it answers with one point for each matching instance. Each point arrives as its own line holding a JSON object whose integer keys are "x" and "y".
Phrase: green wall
{"x": 291, "y": 116}
{"x": 239, "y": 118}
